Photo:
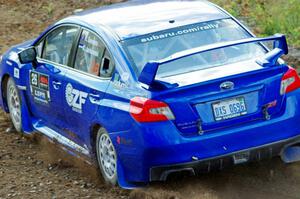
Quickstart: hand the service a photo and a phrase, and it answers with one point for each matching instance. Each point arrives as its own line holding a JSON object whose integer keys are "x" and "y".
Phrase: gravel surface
{"x": 32, "y": 167}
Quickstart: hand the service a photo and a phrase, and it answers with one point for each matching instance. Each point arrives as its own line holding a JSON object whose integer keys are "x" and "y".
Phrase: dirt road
{"x": 33, "y": 168}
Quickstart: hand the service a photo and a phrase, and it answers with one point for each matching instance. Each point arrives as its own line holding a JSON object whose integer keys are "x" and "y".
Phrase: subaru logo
{"x": 227, "y": 85}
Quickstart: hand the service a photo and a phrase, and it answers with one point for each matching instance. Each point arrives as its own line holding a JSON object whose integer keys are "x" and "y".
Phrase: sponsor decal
{"x": 39, "y": 87}
{"x": 183, "y": 31}
{"x": 16, "y": 73}
{"x": 118, "y": 83}
{"x": 125, "y": 76}
{"x": 124, "y": 141}
{"x": 75, "y": 98}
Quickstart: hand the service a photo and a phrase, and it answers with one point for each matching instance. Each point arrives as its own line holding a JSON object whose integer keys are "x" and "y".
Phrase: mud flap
{"x": 122, "y": 181}
{"x": 290, "y": 154}
{"x": 26, "y": 117}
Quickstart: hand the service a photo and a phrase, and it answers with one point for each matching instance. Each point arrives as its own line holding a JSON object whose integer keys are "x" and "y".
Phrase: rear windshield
{"x": 162, "y": 44}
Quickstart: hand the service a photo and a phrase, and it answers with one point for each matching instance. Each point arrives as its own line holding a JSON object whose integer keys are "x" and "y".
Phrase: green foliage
{"x": 49, "y": 8}
{"x": 267, "y": 17}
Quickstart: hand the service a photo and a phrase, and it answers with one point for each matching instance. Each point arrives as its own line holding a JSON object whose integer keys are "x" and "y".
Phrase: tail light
{"x": 147, "y": 110}
{"x": 290, "y": 81}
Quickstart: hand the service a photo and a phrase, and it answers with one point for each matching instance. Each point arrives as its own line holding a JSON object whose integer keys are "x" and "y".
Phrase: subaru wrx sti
{"x": 148, "y": 88}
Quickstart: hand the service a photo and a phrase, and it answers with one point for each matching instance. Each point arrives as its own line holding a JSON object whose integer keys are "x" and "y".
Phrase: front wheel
{"x": 107, "y": 157}
{"x": 14, "y": 104}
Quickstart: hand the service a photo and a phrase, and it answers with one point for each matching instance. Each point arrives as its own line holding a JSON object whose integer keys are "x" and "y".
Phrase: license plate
{"x": 228, "y": 109}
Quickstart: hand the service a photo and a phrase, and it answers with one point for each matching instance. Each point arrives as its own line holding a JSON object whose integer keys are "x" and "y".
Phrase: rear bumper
{"x": 150, "y": 151}
{"x": 1, "y": 97}
{"x": 267, "y": 151}
{"x": 1, "y": 94}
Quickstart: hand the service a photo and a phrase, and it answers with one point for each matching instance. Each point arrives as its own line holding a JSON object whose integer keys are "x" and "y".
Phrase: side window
{"x": 58, "y": 44}
{"x": 39, "y": 48}
{"x": 91, "y": 55}
{"x": 107, "y": 65}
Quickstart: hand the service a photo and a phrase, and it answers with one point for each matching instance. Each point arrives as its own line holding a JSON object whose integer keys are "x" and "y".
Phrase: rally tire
{"x": 14, "y": 104}
{"x": 106, "y": 157}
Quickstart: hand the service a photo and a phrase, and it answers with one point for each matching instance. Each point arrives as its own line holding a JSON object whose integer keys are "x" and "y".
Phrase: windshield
{"x": 162, "y": 44}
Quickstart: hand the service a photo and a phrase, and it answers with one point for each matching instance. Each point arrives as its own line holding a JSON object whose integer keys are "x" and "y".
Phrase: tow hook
{"x": 266, "y": 108}
{"x": 266, "y": 113}
{"x": 200, "y": 130}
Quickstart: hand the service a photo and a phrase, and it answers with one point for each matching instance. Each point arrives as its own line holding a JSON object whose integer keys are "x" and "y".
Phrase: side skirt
{"x": 58, "y": 138}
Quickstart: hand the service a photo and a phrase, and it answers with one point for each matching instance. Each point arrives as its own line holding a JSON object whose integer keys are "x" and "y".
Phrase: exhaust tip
{"x": 165, "y": 175}
{"x": 291, "y": 153}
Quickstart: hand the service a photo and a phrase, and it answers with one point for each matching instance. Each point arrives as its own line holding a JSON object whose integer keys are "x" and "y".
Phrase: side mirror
{"x": 28, "y": 56}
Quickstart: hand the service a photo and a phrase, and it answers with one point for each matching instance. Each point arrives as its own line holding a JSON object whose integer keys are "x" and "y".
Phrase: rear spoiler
{"x": 149, "y": 71}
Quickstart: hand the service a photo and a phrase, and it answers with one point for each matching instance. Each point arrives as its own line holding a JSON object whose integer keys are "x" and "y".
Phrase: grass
{"x": 267, "y": 17}
{"x": 49, "y": 8}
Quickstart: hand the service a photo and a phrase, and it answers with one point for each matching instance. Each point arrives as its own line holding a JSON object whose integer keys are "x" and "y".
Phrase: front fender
{"x": 11, "y": 68}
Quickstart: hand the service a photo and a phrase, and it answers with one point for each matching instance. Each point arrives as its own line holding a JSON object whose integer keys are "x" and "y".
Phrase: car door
{"x": 46, "y": 80}
{"x": 86, "y": 84}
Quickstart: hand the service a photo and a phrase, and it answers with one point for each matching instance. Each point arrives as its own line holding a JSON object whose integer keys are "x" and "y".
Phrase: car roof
{"x": 140, "y": 17}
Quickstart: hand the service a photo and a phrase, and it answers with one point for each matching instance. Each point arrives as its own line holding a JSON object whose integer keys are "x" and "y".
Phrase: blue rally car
{"x": 148, "y": 88}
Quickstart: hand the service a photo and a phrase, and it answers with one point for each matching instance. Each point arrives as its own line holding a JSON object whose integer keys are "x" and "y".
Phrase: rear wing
{"x": 149, "y": 71}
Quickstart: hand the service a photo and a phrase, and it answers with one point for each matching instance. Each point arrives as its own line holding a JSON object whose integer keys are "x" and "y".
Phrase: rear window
{"x": 162, "y": 44}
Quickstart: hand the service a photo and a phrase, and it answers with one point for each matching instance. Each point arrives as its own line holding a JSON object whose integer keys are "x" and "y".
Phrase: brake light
{"x": 147, "y": 110}
{"x": 290, "y": 81}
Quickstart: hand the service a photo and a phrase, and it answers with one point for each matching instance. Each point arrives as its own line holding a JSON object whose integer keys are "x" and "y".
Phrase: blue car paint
{"x": 164, "y": 148}
{"x": 147, "y": 145}
{"x": 134, "y": 16}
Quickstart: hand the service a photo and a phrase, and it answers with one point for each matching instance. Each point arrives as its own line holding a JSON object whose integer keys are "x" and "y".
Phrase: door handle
{"x": 95, "y": 98}
{"x": 56, "y": 84}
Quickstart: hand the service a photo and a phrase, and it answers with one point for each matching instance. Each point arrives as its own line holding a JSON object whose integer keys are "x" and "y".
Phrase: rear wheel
{"x": 107, "y": 157}
{"x": 14, "y": 104}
